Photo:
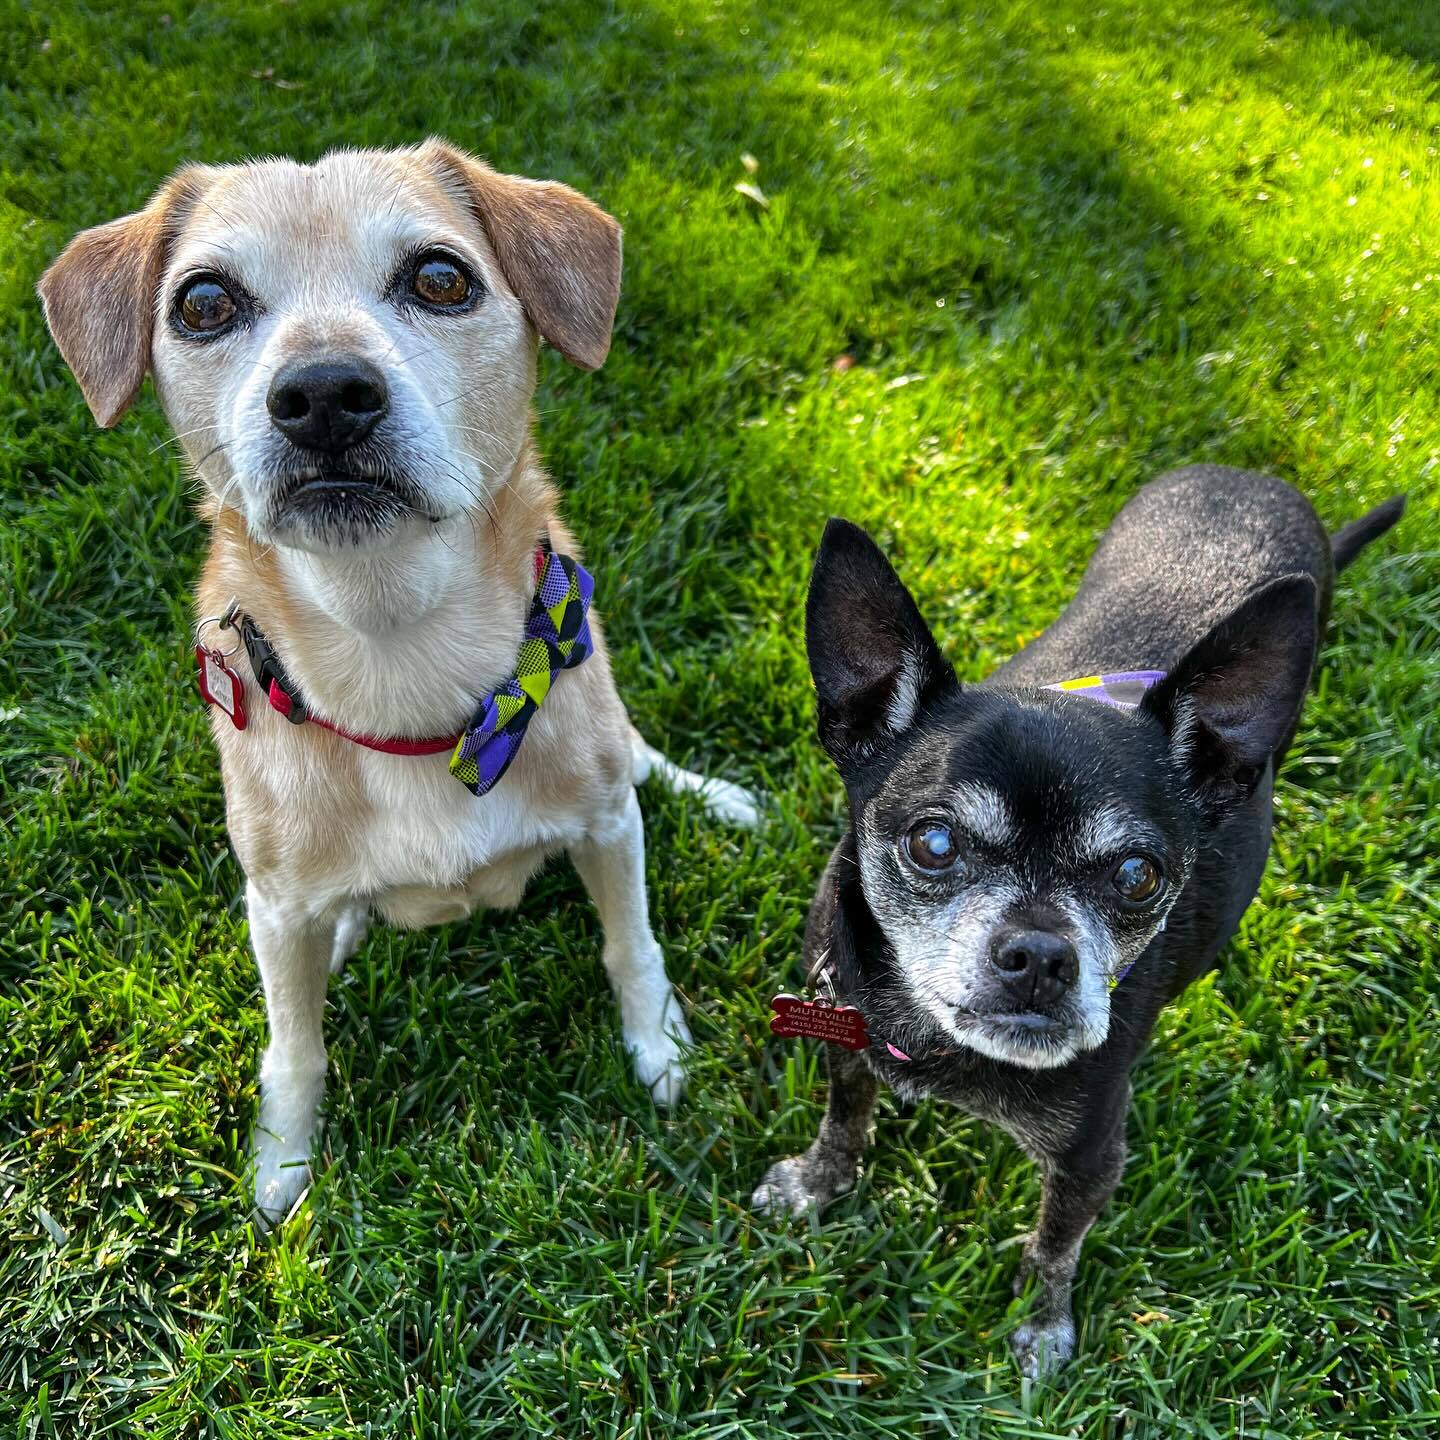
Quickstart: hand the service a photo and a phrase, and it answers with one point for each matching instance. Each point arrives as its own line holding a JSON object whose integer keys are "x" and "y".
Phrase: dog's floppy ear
{"x": 1234, "y": 701}
{"x": 559, "y": 251}
{"x": 99, "y": 297}
{"x": 872, "y": 657}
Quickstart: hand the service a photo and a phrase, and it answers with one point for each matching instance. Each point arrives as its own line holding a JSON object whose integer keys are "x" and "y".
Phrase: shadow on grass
{"x": 1399, "y": 27}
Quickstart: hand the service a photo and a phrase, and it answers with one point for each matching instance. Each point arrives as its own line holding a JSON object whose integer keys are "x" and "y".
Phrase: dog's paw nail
{"x": 1040, "y": 1350}
{"x": 275, "y": 1200}
{"x": 661, "y": 1073}
{"x": 668, "y": 1088}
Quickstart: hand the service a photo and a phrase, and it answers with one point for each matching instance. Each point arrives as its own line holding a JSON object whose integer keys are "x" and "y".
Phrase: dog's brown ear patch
{"x": 99, "y": 297}
{"x": 559, "y": 251}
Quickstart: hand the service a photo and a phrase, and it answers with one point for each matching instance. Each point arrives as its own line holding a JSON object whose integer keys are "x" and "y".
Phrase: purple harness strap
{"x": 1125, "y": 689}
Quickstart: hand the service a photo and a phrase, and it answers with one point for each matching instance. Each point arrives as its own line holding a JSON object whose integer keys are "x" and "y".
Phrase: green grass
{"x": 1066, "y": 247}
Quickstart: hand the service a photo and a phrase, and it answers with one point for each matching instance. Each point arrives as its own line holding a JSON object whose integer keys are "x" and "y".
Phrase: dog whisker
{"x": 213, "y": 450}
{"x": 176, "y": 439}
{"x": 483, "y": 434}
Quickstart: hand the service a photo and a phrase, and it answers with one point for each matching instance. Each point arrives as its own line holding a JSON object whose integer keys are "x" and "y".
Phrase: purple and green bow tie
{"x": 557, "y": 637}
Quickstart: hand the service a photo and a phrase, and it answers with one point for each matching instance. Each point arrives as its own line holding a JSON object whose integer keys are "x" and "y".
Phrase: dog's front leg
{"x": 829, "y": 1166}
{"x": 611, "y": 862}
{"x": 1077, "y": 1185}
{"x": 293, "y": 949}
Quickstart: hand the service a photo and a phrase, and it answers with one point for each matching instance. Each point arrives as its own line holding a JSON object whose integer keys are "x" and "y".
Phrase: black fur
{"x": 1222, "y": 578}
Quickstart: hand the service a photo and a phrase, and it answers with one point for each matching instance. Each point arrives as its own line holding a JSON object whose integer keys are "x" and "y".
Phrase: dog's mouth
{"x": 1018, "y": 1022}
{"x": 345, "y": 485}
{"x": 1026, "y": 1026}
{"x": 1034, "y": 1039}
{"x": 1021, "y": 1030}
{"x": 1023, "y": 1020}
{"x": 1025, "y": 1038}
{"x": 347, "y": 503}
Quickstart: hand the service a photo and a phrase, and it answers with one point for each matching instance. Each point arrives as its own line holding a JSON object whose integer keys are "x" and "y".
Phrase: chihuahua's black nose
{"x": 327, "y": 405}
{"x": 1036, "y": 966}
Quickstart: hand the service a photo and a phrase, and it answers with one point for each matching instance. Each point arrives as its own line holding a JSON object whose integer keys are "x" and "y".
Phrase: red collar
{"x": 221, "y": 686}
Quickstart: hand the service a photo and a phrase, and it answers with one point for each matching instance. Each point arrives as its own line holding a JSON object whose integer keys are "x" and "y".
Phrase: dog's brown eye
{"x": 1137, "y": 879}
{"x": 441, "y": 282}
{"x": 206, "y": 306}
{"x": 931, "y": 845}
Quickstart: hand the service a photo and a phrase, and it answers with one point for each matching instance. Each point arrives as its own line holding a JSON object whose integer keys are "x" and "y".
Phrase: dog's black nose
{"x": 1036, "y": 966}
{"x": 327, "y": 405}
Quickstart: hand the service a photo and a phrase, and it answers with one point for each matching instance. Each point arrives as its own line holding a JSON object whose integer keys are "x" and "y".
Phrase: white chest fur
{"x": 318, "y": 819}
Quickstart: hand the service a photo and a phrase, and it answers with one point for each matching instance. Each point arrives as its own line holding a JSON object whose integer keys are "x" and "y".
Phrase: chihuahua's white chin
{"x": 1030, "y": 1041}
{"x": 329, "y": 541}
{"x": 1019, "y": 1045}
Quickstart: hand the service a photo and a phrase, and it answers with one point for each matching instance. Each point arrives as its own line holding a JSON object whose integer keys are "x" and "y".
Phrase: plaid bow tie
{"x": 557, "y": 637}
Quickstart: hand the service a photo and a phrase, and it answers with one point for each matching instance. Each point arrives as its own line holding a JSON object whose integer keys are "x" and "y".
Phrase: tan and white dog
{"x": 347, "y": 354}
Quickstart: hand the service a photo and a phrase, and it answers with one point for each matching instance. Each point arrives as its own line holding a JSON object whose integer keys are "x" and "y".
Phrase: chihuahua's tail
{"x": 1349, "y": 540}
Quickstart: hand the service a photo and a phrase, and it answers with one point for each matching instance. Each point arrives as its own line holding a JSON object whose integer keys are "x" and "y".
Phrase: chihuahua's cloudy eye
{"x": 931, "y": 845}
{"x": 206, "y": 307}
{"x": 1137, "y": 879}
{"x": 440, "y": 282}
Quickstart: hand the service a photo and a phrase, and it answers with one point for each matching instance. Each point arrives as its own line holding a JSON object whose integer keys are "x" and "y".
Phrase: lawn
{"x": 1016, "y": 259}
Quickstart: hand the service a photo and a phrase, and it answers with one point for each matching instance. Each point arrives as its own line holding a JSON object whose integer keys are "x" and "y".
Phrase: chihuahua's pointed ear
{"x": 872, "y": 656}
{"x": 99, "y": 297}
{"x": 1234, "y": 701}
{"x": 559, "y": 252}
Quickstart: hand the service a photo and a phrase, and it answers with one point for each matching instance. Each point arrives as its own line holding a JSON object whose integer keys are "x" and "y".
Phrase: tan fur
{"x": 100, "y": 293}
{"x": 559, "y": 251}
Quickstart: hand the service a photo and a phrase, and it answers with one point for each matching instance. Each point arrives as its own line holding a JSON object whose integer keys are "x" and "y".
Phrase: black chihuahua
{"x": 1038, "y": 863}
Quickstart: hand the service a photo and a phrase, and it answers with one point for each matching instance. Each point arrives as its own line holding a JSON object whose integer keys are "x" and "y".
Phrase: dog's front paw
{"x": 659, "y": 1053}
{"x": 281, "y": 1178}
{"x": 791, "y": 1187}
{"x": 1042, "y": 1347}
{"x": 783, "y": 1190}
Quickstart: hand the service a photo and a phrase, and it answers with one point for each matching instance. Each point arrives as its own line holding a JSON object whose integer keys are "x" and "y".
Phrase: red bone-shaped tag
{"x": 839, "y": 1024}
{"x": 220, "y": 685}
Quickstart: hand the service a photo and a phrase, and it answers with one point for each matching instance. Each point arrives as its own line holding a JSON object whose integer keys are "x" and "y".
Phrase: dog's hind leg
{"x": 293, "y": 950}
{"x": 611, "y": 862}
{"x": 829, "y": 1166}
{"x": 1076, "y": 1189}
{"x": 722, "y": 798}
